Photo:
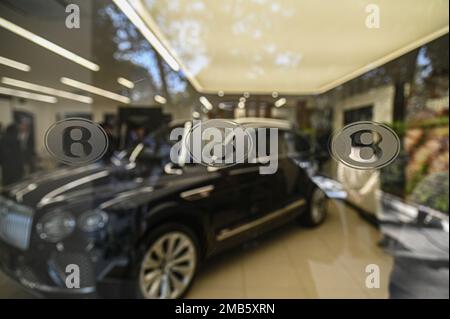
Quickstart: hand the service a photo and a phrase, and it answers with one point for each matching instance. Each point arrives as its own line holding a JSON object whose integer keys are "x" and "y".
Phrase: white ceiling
{"x": 289, "y": 46}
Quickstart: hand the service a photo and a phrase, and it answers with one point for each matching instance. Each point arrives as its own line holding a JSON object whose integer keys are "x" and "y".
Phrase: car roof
{"x": 179, "y": 122}
{"x": 264, "y": 122}
{"x": 248, "y": 121}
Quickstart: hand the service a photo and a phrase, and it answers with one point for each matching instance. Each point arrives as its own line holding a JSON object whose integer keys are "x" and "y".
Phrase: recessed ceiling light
{"x": 126, "y": 83}
{"x": 48, "y": 45}
{"x": 134, "y": 17}
{"x": 28, "y": 95}
{"x": 241, "y": 105}
{"x": 274, "y": 95}
{"x": 280, "y": 102}
{"x": 15, "y": 64}
{"x": 195, "y": 115}
{"x": 242, "y": 99}
{"x": 220, "y": 93}
{"x": 160, "y": 99}
{"x": 95, "y": 90}
{"x": 246, "y": 95}
{"x": 47, "y": 90}
{"x": 206, "y": 103}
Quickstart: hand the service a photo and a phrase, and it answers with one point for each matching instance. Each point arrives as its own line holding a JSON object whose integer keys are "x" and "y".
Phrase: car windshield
{"x": 156, "y": 144}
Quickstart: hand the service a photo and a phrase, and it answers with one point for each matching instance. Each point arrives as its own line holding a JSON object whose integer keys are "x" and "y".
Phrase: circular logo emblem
{"x": 76, "y": 141}
{"x": 218, "y": 143}
{"x": 365, "y": 145}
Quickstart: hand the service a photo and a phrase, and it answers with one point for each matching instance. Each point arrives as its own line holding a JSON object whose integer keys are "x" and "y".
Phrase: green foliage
{"x": 433, "y": 192}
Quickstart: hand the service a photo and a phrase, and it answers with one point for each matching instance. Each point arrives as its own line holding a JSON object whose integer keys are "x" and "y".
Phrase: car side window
{"x": 296, "y": 143}
{"x": 283, "y": 145}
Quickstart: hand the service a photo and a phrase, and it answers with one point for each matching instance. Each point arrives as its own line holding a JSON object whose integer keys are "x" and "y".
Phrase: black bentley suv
{"x": 140, "y": 225}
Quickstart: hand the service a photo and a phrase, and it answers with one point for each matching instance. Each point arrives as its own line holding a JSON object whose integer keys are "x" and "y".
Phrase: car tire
{"x": 167, "y": 263}
{"x": 316, "y": 211}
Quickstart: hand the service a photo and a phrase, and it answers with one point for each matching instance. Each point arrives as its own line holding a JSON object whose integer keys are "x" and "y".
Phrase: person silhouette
{"x": 11, "y": 157}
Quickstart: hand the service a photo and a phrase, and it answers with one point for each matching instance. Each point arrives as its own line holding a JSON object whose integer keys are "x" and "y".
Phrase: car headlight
{"x": 91, "y": 221}
{"x": 55, "y": 226}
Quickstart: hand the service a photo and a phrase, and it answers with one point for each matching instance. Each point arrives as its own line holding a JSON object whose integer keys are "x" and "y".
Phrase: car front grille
{"x": 15, "y": 223}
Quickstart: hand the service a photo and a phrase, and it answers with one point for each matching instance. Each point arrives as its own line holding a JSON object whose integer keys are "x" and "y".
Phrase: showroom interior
{"x": 134, "y": 66}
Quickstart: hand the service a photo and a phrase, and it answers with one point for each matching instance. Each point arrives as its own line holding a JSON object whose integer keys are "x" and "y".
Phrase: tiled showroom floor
{"x": 292, "y": 262}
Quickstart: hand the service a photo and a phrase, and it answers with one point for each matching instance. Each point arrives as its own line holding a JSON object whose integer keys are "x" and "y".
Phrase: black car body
{"x": 104, "y": 217}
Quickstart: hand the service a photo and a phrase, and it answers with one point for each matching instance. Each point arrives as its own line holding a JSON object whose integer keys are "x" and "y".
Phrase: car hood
{"x": 96, "y": 185}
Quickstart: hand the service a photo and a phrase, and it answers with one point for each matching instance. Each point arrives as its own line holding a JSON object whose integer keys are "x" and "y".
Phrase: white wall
{"x": 5, "y": 112}
{"x": 381, "y": 98}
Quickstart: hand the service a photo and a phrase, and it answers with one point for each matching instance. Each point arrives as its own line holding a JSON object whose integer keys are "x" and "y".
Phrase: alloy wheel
{"x": 168, "y": 266}
{"x": 319, "y": 206}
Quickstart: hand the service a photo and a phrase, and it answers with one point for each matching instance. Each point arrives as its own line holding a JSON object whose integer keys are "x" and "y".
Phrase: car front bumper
{"x": 43, "y": 274}
{"x": 43, "y": 277}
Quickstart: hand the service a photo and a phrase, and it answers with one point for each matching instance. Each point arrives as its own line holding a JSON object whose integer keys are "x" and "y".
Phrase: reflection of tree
{"x": 417, "y": 68}
{"x": 258, "y": 28}
{"x": 185, "y": 35}
{"x": 431, "y": 78}
{"x": 192, "y": 34}
{"x": 131, "y": 46}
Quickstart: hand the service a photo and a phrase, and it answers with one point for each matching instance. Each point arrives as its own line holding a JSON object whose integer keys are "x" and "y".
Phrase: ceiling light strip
{"x": 206, "y": 103}
{"x": 160, "y": 99}
{"x": 47, "y": 90}
{"x": 15, "y": 64}
{"x": 95, "y": 90}
{"x": 28, "y": 95}
{"x": 126, "y": 83}
{"x": 128, "y": 10}
{"x": 48, "y": 45}
{"x": 280, "y": 102}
